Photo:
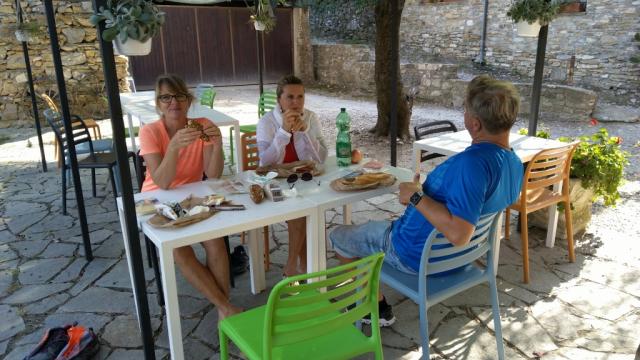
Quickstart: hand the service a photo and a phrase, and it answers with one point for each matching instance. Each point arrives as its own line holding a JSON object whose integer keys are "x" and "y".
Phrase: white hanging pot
{"x": 22, "y": 36}
{"x": 132, "y": 47}
{"x": 259, "y": 25}
{"x": 528, "y": 30}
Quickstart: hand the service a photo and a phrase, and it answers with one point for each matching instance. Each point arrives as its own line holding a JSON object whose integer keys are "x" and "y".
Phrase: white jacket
{"x": 272, "y": 139}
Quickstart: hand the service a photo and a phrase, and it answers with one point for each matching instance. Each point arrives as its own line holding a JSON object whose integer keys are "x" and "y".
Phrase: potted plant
{"x": 597, "y": 170}
{"x": 24, "y": 31}
{"x": 130, "y": 24}
{"x": 530, "y": 15}
{"x": 263, "y": 16}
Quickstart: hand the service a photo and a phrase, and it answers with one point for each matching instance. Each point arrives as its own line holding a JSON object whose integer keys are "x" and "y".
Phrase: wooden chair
{"x": 545, "y": 183}
{"x": 250, "y": 161}
{"x": 429, "y": 128}
{"x": 89, "y": 123}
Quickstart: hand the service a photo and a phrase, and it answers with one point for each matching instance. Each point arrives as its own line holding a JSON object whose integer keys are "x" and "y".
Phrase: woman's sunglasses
{"x": 291, "y": 179}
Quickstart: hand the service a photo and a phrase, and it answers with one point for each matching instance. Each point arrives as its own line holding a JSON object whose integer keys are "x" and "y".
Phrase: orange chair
{"x": 89, "y": 123}
{"x": 250, "y": 161}
{"x": 546, "y": 183}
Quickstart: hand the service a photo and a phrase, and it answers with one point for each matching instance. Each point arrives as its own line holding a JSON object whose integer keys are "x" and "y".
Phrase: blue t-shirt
{"x": 483, "y": 179}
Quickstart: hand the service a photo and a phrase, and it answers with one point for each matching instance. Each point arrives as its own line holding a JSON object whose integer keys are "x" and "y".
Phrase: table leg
{"x": 172, "y": 306}
{"x": 316, "y": 243}
{"x": 127, "y": 251}
{"x": 256, "y": 261}
{"x": 552, "y": 225}
{"x": 346, "y": 214}
{"x": 416, "y": 158}
{"x": 236, "y": 136}
{"x": 132, "y": 136}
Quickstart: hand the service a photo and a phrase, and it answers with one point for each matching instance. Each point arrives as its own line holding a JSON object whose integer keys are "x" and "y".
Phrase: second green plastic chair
{"x": 313, "y": 320}
{"x": 266, "y": 103}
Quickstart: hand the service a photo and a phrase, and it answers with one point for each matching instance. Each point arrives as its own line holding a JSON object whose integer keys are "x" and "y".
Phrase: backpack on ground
{"x": 70, "y": 342}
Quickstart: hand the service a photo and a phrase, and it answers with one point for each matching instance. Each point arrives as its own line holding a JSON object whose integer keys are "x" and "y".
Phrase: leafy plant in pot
{"x": 263, "y": 16}
{"x": 530, "y": 15}
{"x": 23, "y": 30}
{"x": 130, "y": 24}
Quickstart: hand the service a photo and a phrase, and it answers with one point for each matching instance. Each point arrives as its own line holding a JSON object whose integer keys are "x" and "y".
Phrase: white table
{"x": 526, "y": 147}
{"x": 221, "y": 224}
{"x": 326, "y": 198}
{"x": 142, "y": 106}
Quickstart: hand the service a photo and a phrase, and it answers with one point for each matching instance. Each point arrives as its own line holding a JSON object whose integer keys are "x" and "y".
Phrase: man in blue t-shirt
{"x": 485, "y": 178}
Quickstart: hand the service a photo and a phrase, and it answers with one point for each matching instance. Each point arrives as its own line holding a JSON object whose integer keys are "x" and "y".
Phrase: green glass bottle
{"x": 343, "y": 140}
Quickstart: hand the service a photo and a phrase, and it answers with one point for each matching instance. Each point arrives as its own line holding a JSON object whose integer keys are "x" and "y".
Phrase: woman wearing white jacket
{"x": 290, "y": 133}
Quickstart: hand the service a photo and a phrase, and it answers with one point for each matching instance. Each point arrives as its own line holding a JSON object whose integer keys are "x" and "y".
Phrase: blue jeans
{"x": 358, "y": 241}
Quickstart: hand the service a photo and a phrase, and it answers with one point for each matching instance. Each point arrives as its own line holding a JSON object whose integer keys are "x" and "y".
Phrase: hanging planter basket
{"x": 528, "y": 30}
{"x": 259, "y": 25}
{"x": 132, "y": 47}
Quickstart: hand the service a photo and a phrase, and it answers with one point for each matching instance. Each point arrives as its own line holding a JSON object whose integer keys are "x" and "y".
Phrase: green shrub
{"x": 531, "y": 10}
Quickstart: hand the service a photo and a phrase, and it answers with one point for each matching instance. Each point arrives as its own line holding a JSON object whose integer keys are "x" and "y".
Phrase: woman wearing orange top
{"x": 176, "y": 155}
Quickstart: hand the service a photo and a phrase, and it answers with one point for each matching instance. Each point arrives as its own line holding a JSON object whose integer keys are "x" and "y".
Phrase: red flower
{"x": 618, "y": 139}
{"x": 593, "y": 122}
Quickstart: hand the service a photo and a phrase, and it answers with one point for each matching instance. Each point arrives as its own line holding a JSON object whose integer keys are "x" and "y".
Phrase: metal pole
{"x": 122, "y": 155}
{"x": 34, "y": 105}
{"x": 537, "y": 80}
{"x": 260, "y": 48}
{"x": 483, "y": 38}
{"x": 66, "y": 117}
{"x": 393, "y": 117}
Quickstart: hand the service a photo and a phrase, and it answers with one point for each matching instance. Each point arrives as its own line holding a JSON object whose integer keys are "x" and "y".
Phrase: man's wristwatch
{"x": 416, "y": 197}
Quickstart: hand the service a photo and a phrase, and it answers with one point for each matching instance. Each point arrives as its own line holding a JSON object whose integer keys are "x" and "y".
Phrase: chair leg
{"x": 156, "y": 270}
{"x": 569, "y": 226}
{"x": 267, "y": 260}
{"x": 524, "y": 235}
{"x": 507, "y": 224}
{"x": 495, "y": 306}
{"x": 148, "y": 245}
{"x": 64, "y": 191}
{"x": 424, "y": 330}
{"x": 242, "y": 239}
{"x": 232, "y": 281}
{"x": 224, "y": 346}
{"x": 93, "y": 181}
{"x": 231, "y": 160}
{"x": 113, "y": 186}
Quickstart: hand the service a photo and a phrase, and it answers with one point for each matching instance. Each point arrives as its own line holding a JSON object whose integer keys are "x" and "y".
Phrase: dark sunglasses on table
{"x": 291, "y": 179}
{"x": 167, "y": 98}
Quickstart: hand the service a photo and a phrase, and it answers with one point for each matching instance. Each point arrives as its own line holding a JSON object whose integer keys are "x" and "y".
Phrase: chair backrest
{"x": 429, "y": 128}
{"x": 339, "y": 297}
{"x": 79, "y": 130}
{"x": 205, "y": 95}
{"x": 50, "y": 103}
{"x": 439, "y": 255}
{"x": 267, "y": 102}
{"x": 549, "y": 167}
{"x": 249, "y": 147}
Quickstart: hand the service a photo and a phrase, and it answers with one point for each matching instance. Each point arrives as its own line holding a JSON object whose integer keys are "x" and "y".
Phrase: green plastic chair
{"x": 207, "y": 97}
{"x": 314, "y": 320}
{"x": 266, "y": 103}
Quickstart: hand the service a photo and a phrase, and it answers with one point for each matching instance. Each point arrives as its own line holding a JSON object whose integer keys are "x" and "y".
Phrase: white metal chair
{"x": 457, "y": 272}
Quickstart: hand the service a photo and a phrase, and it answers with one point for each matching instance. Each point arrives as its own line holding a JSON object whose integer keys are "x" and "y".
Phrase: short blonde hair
{"x": 175, "y": 83}
{"x": 287, "y": 80}
{"x": 496, "y": 103}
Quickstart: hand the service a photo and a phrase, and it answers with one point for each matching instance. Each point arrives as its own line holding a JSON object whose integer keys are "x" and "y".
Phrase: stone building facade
{"x": 80, "y": 57}
{"x": 591, "y": 50}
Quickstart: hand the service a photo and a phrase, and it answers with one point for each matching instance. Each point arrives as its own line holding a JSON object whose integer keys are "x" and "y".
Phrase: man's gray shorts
{"x": 358, "y": 241}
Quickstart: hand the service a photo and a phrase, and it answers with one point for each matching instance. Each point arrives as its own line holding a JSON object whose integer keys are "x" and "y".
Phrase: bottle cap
{"x": 343, "y": 109}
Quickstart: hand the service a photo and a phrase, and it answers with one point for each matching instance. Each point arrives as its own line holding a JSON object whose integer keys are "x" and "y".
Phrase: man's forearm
{"x": 456, "y": 230}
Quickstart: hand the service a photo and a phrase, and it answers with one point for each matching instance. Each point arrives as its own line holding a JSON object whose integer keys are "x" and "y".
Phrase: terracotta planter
{"x": 571, "y": 8}
{"x": 132, "y": 47}
{"x": 528, "y": 30}
{"x": 581, "y": 199}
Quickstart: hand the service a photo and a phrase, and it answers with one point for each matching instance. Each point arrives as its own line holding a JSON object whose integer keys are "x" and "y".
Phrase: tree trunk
{"x": 385, "y": 31}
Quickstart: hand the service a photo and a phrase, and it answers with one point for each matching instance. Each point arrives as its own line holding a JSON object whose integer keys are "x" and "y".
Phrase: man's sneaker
{"x": 386, "y": 315}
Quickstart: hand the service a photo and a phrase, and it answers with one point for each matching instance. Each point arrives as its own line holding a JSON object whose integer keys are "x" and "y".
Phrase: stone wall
{"x": 590, "y": 50}
{"x": 350, "y": 68}
{"x": 80, "y": 56}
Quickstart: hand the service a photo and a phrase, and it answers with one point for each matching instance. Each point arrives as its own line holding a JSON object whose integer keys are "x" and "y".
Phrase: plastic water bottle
{"x": 343, "y": 140}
